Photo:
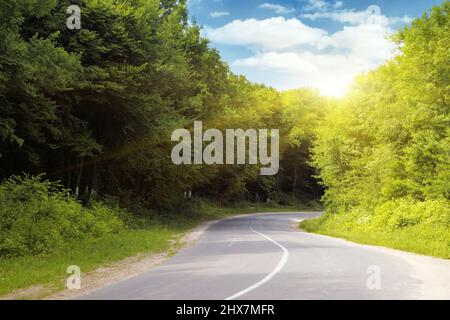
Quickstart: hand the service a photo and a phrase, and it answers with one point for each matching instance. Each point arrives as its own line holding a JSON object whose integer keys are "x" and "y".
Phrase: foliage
{"x": 383, "y": 152}
{"x": 37, "y": 216}
{"x": 95, "y": 108}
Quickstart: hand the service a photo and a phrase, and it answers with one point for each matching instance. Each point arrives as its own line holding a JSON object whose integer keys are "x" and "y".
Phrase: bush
{"x": 37, "y": 216}
{"x": 407, "y": 224}
{"x": 403, "y": 213}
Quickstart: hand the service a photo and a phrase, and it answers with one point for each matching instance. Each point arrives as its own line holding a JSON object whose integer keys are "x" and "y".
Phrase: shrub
{"x": 37, "y": 216}
{"x": 405, "y": 223}
{"x": 406, "y": 212}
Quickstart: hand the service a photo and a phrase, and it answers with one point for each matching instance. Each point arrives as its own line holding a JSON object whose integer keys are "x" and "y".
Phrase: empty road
{"x": 264, "y": 256}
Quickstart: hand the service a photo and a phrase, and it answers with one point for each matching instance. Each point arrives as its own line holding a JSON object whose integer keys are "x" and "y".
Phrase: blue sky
{"x": 304, "y": 43}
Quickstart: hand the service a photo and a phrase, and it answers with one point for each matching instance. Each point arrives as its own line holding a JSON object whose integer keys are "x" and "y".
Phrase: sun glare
{"x": 334, "y": 89}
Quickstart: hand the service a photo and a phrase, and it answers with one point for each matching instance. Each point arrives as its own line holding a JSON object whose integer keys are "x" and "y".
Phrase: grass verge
{"x": 422, "y": 239}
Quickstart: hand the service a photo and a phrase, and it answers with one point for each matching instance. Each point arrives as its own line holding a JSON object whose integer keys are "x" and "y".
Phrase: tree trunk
{"x": 294, "y": 186}
{"x": 80, "y": 172}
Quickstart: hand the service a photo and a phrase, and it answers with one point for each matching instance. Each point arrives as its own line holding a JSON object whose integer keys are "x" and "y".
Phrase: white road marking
{"x": 267, "y": 278}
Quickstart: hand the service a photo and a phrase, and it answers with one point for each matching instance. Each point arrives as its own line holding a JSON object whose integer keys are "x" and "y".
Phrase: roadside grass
{"x": 159, "y": 234}
{"x": 50, "y": 270}
{"x": 422, "y": 239}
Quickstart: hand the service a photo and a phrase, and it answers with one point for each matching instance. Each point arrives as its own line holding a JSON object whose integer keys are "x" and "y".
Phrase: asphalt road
{"x": 264, "y": 257}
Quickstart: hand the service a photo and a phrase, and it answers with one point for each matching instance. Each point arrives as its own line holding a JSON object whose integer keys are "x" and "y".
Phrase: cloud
{"x": 279, "y": 9}
{"x": 321, "y": 5}
{"x": 338, "y": 4}
{"x": 218, "y": 14}
{"x": 290, "y": 54}
{"x": 368, "y": 42}
{"x": 287, "y": 53}
{"x": 330, "y": 73}
{"x": 351, "y": 51}
{"x": 356, "y": 17}
{"x": 269, "y": 34}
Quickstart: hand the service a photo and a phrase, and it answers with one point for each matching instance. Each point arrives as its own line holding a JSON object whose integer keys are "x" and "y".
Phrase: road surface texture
{"x": 264, "y": 256}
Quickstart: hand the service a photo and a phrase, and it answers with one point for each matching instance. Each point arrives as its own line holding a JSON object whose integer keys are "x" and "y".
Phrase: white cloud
{"x": 356, "y": 17}
{"x": 338, "y": 4}
{"x": 279, "y": 9}
{"x": 278, "y": 62}
{"x": 328, "y": 72}
{"x": 290, "y": 54}
{"x": 405, "y": 19}
{"x": 218, "y": 14}
{"x": 351, "y": 51}
{"x": 321, "y": 5}
{"x": 270, "y": 34}
{"x": 367, "y": 42}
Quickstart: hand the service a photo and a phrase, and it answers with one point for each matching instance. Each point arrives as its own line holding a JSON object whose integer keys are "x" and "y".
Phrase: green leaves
{"x": 384, "y": 151}
{"x": 95, "y": 107}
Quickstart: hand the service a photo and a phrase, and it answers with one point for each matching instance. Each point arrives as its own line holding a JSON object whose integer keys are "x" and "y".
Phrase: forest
{"x": 86, "y": 118}
{"x": 384, "y": 151}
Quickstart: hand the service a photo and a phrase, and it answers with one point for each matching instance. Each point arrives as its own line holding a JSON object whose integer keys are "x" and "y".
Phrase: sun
{"x": 334, "y": 88}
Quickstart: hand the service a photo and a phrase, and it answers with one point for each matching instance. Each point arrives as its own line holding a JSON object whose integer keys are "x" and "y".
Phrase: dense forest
{"x": 94, "y": 109}
{"x": 88, "y": 113}
{"x": 384, "y": 151}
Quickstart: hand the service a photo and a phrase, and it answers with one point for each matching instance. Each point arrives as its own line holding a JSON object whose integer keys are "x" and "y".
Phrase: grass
{"x": 156, "y": 237}
{"x": 50, "y": 270}
{"x": 422, "y": 239}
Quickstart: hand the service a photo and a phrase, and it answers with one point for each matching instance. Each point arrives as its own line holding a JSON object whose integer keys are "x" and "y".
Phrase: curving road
{"x": 264, "y": 256}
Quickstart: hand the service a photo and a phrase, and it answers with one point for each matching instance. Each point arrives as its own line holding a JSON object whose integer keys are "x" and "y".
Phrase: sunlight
{"x": 334, "y": 89}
